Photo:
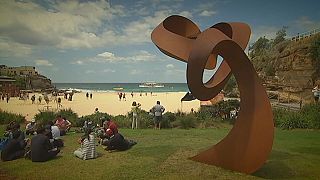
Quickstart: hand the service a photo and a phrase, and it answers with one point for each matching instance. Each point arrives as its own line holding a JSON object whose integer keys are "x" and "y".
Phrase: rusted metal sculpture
{"x": 249, "y": 142}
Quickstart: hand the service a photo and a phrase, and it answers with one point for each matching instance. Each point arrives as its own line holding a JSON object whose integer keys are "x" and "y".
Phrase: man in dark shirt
{"x": 117, "y": 142}
{"x": 14, "y": 149}
{"x": 41, "y": 149}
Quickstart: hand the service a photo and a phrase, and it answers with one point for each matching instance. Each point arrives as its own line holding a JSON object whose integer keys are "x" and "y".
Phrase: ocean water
{"x": 127, "y": 87}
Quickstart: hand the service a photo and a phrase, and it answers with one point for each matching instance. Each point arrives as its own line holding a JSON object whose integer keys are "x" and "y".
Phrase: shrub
{"x": 123, "y": 121}
{"x": 95, "y": 118}
{"x": 167, "y": 119}
{"x": 308, "y": 117}
{"x": 311, "y": 114}
{"x": 6, "y": 117}
{"x": 43, "y": 117}
{"x": 186, "y": 122}
{"x": 144, "y": 119}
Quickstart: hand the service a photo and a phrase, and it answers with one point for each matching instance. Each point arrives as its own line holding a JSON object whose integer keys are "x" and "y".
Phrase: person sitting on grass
{"x": 15, "y": 127}
{"x": 54, "y": 135}
{"x": 31, "y": 127}
{"x": 117, "y": 142}
{"x": 62, "y": 125}
{"x": 14, "y": 149}
{"x": 67, "y": 124}
{"x": 109, "y": 124}
{"x": 41, "y": 148}
{"x": 88, "y": 147}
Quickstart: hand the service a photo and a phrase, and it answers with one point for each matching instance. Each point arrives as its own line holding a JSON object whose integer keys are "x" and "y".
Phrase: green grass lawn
{"x": 164, "y": 155}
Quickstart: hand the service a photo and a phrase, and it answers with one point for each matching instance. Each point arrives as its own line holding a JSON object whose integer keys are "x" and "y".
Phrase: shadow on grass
{"x": 276, "y": 167}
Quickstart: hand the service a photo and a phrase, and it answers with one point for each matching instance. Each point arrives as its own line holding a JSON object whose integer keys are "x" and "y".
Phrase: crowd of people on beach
{"x": 5, "y": 97}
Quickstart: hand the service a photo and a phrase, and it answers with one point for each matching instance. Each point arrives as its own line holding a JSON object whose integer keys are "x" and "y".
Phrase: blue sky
{"x": 109, "y": 41}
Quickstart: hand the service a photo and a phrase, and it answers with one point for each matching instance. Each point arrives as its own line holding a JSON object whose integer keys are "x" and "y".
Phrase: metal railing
{"x": 304, "y": 35}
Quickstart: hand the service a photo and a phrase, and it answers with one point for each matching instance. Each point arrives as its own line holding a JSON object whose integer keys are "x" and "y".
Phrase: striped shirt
{"x": 89, "y": 148}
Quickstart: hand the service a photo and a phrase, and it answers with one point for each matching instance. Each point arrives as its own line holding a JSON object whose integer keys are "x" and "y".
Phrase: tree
{"x": 259, "y": 47}
{"x": 280, "y": 35}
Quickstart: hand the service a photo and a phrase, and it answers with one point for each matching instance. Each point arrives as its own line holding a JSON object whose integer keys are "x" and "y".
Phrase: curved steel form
{"x": 249, "y": 142}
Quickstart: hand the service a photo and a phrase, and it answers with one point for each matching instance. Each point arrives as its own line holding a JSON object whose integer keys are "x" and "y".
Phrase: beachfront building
{"x": 7, "y": 86}
{"x": 14, "y": 71}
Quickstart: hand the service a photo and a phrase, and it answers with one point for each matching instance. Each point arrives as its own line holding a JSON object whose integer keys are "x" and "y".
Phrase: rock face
{"x": 40, "y": 82}
{"x": 295, "y": 70}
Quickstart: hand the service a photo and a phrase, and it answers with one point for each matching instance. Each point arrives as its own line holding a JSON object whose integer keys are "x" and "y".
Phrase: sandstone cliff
{"x": 40, "y": 82}
{"x": 294, "y": 71}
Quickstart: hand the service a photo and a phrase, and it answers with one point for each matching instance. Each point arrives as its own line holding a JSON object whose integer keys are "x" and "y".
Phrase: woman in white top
{"x": 135, "y": 109}
{"x": 88, "y": 146}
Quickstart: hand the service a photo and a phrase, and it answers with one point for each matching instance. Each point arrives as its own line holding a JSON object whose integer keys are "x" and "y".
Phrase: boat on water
{"x": 151, "y": 85}
{"x": 118, "y": 88}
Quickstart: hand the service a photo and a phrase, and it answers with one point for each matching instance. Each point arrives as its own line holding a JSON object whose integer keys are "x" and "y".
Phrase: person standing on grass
{"x": 135, "y": 109}
{"x": 88, "y": 147}
{"x": 41, "y": 148}
{"x": 157, "y": 110}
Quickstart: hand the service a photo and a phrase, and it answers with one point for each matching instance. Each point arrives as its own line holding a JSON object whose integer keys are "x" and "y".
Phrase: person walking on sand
{"x": 87, "y": 95}
{"x": 40, "y": 99}
{"x": 132, "y": 94}
{"x": 135, "y": 109}
{"x": 157, "y": 110}
{"x": 33, "y": 98}
{"x": 124, "y": 97}
{"x": 120, "y": 96}
{"x": 90, "y": 95}
{"x": 8, "y": 97}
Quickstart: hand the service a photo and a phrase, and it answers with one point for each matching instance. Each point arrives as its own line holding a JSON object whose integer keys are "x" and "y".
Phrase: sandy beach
{"x": 106, "y": 102}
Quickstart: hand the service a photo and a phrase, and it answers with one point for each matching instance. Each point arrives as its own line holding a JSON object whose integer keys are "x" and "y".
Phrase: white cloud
{"x": 109, "y": 71}
{"x": 79, "y": 62}
{"x": 90, "y": 72}
{"x": 110, "y": 57}
{"x": 207, "y": 13}
{"x": 263, "y": 31}
{"x": 306, "y": 23}
{"x": 43, "y": 62}
{"x": 68, "y": 24}
{"x": 135, "y": 72}
{"x": 186, "y": 14}
{"x": 13, "y": 49}
{"x": 106, "y": 55}
{"x": 170, "y": 66}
